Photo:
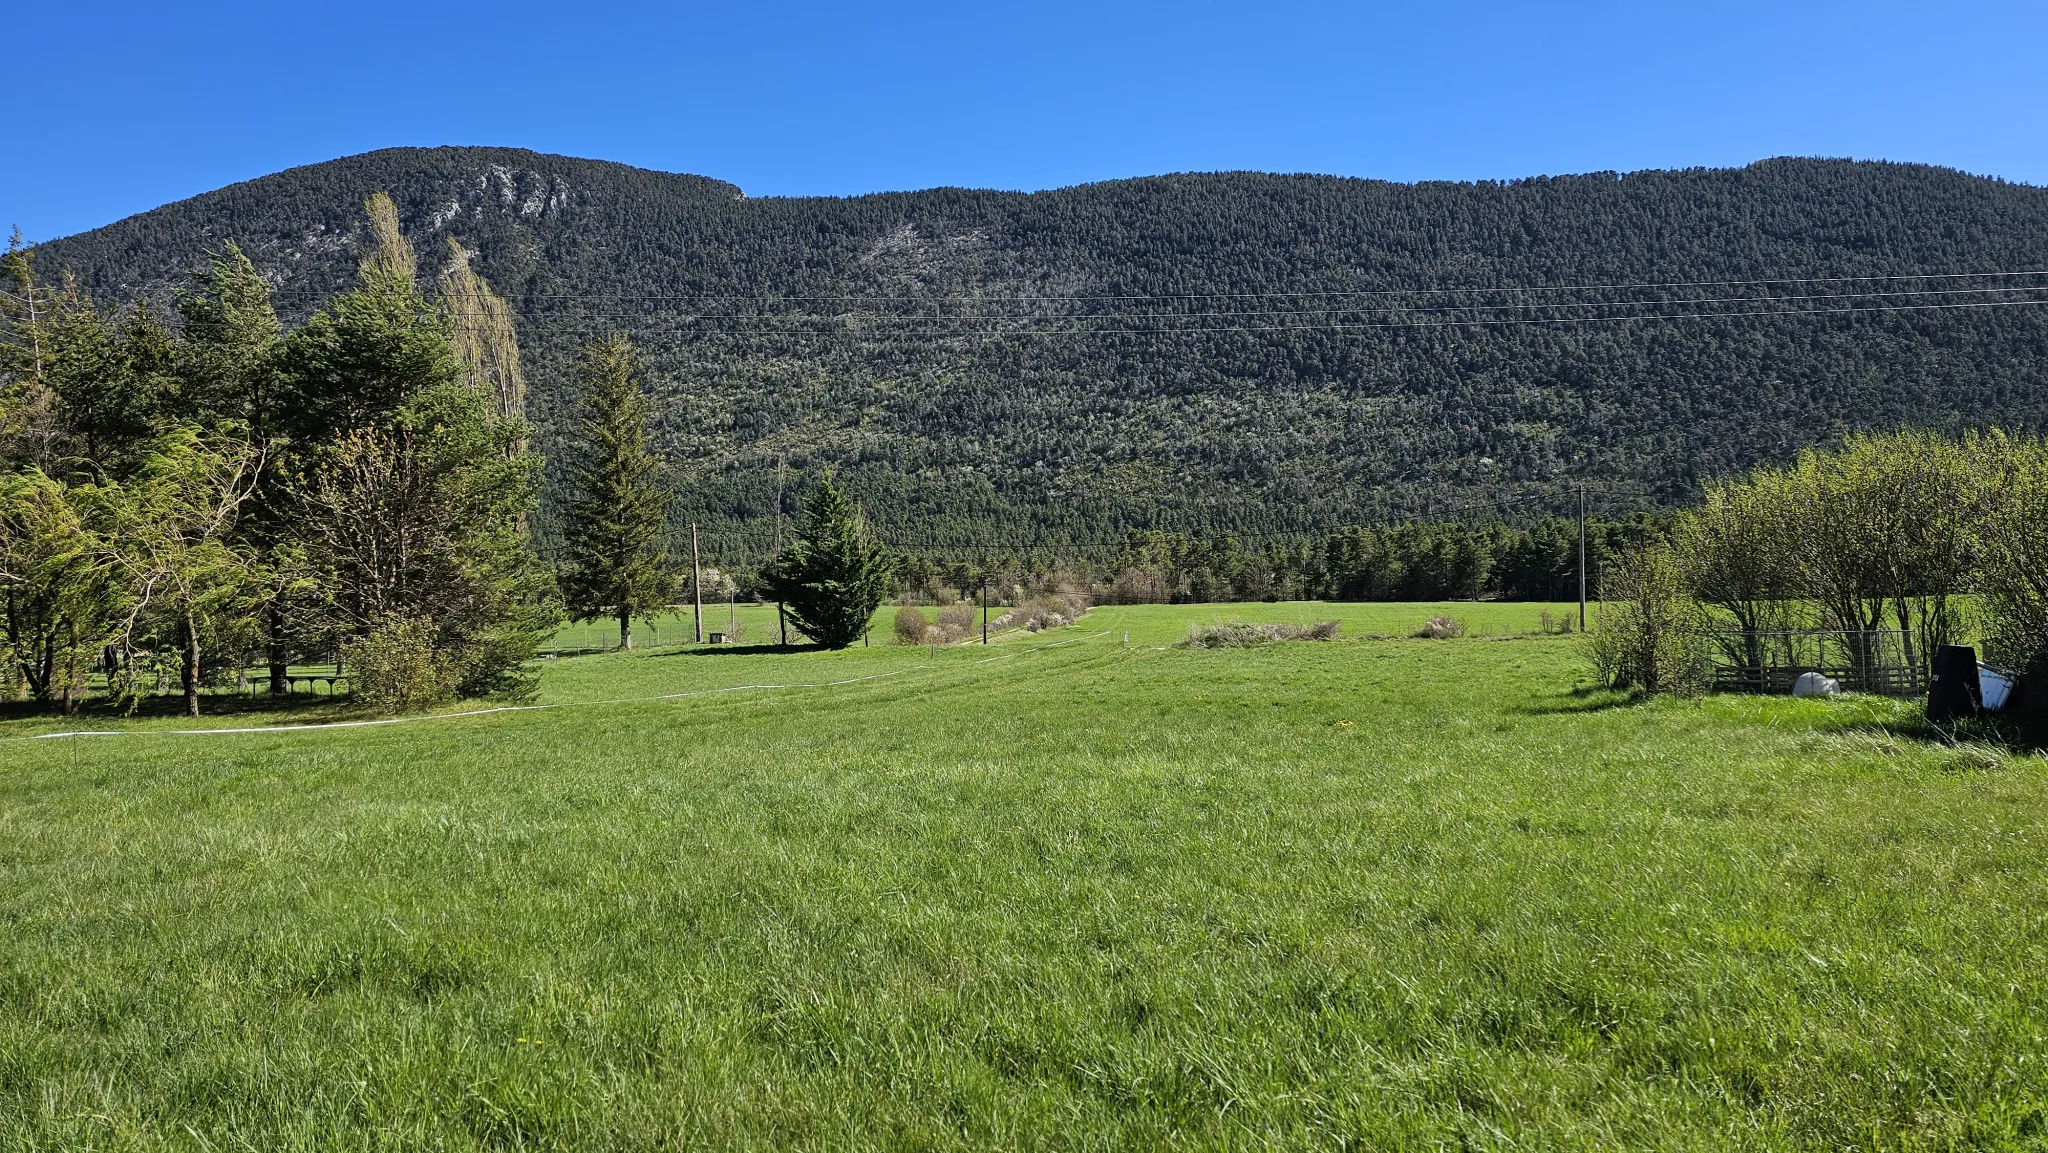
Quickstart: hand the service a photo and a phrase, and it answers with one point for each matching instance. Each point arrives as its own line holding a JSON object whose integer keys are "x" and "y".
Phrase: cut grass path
{"x": 1380, "y": 893}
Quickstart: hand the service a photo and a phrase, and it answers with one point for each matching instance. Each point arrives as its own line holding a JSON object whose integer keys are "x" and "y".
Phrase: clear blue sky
{"x": 118, "y": 107}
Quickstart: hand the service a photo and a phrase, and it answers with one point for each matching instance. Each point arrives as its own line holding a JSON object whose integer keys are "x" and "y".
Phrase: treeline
{"x": 186, "y": 492}
{"x": 182, "y": 494}
{"x": 1404, "y": 562}
{"x": 1892, "y": 546}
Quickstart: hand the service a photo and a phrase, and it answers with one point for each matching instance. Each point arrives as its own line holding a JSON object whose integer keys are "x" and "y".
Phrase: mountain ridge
{"x": 1061, "y": 364}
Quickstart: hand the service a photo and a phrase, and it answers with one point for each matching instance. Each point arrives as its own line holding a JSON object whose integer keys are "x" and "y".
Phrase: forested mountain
{"x": 1229, "y": 351}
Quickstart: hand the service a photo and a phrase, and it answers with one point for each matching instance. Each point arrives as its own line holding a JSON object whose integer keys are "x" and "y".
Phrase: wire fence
{"x": 1881, "y": 661}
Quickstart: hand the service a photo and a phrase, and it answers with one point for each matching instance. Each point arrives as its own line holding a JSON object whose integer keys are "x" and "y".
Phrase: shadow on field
{"x": 1584, "y": 700}
{"x": 297, "y": 706}
{"x": 739, "y": 650}
{"x": 2016, "y": 734}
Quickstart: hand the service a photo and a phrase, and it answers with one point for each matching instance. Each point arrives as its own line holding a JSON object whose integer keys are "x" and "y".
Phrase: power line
{"x": 1305, "y": 293}
{"x": 1511, "y": 322}
{"x": 952, "y": 318}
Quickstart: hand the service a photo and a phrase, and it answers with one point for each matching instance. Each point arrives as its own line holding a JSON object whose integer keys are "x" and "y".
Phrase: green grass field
{"x": 1365, "y": 894}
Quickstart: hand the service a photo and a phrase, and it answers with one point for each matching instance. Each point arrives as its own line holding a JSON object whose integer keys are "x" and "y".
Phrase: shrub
{"x": 1554, "y": 626}
{"x": 958, "y": 620}
{"x": 1049, "y": 611}
{"x": 1442, "y": 628}
{"x": 398, "y": 667}
{"x": 1650, "y": 634}
{"x": 1233, "y": 636}
{"x": 911, "y": 625}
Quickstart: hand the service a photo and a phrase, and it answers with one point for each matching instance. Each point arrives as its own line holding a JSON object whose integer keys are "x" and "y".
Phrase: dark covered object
{"x": 1953, "y": 691}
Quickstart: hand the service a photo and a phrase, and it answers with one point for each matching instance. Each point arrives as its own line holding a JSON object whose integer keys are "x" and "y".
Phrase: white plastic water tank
{"x": 1815, "y": 685}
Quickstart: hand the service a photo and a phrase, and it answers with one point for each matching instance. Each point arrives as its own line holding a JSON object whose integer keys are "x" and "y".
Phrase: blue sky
{"x": 117, "y": 108}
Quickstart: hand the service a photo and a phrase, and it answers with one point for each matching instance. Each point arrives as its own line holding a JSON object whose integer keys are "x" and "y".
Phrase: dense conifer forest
{"x": 1213, "y": 353}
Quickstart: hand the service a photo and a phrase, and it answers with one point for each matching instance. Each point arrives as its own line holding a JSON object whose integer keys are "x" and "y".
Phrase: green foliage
{"x": 180, "y": 496}
{"x": 60, "y": 601}
{"x": 418, "y": 520}
{"x": 399, "y": 666}
{"x": 2012, "y": 553}
{"x": 833, "y": 575}
{"x": 1878, "y": 533}
{"x": 911, "y": 625}
{"x": 231, "y": 341}
{"x": 358, "y": 360}
{"x": 169, "y": 536}
{"x": 615, "y": 565}
{"x": 1737, "y": 555}
{"x": 1421, "y": 561}
{"x": 1650, "y": 634}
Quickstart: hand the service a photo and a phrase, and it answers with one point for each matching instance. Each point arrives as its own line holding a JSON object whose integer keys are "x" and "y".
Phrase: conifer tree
{"x": 228, "y": 364}
{"x": 228, "y": 368}
{"x": 413, "y": 500}
{"x": 833, "y": 576}
{"x": 617, "y": 567}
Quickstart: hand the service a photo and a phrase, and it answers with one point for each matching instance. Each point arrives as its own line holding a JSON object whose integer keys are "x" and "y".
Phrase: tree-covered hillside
{"x": 1235, "y": 351}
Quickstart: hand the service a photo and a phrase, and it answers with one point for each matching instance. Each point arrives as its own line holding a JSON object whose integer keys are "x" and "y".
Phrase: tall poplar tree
{"x": 617, "y": 567}
{"x": 481, "y": 331}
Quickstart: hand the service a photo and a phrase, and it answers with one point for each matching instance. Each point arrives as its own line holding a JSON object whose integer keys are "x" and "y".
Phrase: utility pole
{"x": 984, "y": 608}
{"x": 697, "y": 583}
{"x": 778, "y": 506}
{"x": 781, "y": 619}
{"x": 1582, "y": 556}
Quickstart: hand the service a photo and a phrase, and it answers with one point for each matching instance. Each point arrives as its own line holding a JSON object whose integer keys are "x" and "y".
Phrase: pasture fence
{"x": 1880, "y": 661}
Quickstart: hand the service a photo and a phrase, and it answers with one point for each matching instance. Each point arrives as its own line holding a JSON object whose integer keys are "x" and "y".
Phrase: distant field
{"x": 757, "y": 623}
{"x": 1364, "y": 894}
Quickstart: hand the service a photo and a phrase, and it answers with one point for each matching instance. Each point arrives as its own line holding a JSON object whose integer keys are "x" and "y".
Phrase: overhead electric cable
{"x": 1302, "y": 293}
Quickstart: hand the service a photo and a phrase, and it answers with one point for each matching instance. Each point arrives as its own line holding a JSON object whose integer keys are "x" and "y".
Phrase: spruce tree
{"x": 833, "y": 576}
{"x": 617, "y": 567}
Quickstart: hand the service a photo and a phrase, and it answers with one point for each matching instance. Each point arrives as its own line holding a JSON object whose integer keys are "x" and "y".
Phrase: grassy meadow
{"x": 1062, "y": 892}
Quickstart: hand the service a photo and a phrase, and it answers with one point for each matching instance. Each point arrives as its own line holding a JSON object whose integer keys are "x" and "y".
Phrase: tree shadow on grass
{"x": 739, "y": 650}
{"x": 2018, "y": 734}
{"x": 1582, "y": 700}
{"x": 296, "y": 706}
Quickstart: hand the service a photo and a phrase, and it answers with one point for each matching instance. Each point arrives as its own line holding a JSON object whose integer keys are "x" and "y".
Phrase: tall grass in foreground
{"x": 1367, "y": 894}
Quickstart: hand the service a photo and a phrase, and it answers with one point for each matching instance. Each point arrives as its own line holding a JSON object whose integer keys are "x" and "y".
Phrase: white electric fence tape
{"x": 525, "y": 708}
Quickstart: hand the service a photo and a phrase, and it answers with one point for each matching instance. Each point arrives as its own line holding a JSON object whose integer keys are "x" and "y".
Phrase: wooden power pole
{"x": 1582, "y": 556}
{"x": 697, "y": 582}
